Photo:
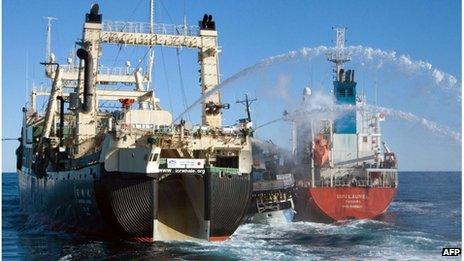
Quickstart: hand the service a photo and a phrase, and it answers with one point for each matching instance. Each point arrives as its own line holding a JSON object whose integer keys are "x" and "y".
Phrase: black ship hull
{"x": 129, "y": 206}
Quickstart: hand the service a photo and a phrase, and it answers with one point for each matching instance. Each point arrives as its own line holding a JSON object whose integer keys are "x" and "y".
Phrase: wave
{"x": 413, "y": 207}
{"x": 361, "y": 239}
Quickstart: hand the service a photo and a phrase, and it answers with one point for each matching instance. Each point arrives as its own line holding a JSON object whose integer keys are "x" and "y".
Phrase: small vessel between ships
{"x": 132, "y": 172}
{"x": 342, "y": 172}
{"x": 271, "y": 201}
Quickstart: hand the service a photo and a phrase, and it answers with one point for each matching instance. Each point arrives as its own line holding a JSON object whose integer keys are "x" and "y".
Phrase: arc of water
{"x": 429, "y": 125}
{"x": 443, "y": 80}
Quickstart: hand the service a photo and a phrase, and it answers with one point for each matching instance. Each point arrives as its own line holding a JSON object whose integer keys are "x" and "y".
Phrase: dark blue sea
{"x": 424, "y": 218}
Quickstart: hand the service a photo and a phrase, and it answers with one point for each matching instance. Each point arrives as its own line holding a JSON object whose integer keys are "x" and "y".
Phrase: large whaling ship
{"x": 132, "y": 172}
{"x": 342, "y": 173}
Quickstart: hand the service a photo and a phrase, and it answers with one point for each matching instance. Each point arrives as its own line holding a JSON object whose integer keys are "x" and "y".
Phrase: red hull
{"x": 341, "y": 203}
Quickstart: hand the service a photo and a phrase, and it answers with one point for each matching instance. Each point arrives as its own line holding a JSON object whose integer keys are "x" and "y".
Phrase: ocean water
{"x": 424, "y": 218}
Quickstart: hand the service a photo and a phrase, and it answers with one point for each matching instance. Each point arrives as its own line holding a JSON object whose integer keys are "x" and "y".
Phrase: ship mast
{"x": 339, "y": 55}
{"x": 247, "y": 103}
{"x": 152, "y": 8}
{"x": 151, "y": 55}
{"x": 48, "y": 48}
{"x": 49, "y": 57}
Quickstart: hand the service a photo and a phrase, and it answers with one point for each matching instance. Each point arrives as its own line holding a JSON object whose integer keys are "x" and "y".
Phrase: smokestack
{"x": 93, "y": 16}
{"x": 88, "y": 79}
{"x": 347, "y": 76}
{"x": 207, "y": 23}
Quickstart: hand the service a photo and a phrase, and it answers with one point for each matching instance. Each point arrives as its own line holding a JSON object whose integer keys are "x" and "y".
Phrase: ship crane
{"x": 387, "y": 150}
{"x": 97, "y": 32}
{"x": 202, "y": 38}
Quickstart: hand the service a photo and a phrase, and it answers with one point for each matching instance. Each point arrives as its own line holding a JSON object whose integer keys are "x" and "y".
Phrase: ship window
{"x": 154, "y": 157}
{"x": 349, "y": 92}
{"x": 365, "y": 139}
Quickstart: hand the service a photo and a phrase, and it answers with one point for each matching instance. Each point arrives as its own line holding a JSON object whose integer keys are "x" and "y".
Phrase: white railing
{"x": 387, "y": 183}
{"x": 144, "y": 28}
{"x": 272, "y": 184}
{"x": 116, "y": 70}
{"x": 71, "y": 68}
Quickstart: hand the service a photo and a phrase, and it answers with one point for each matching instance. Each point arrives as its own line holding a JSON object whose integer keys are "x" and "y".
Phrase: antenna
{"x": 339, "y": 55}
{"x": 48, "y": 49}
{"x": 247, "y": 102}
{"x": 27, "y": 75}
{"x": 151, "y": 51}
{"x": 152, "y": 7}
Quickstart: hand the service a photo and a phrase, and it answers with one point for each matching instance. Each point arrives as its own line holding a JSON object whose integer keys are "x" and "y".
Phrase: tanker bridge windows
{"x": 349, "y": 92}
{"x": 345, "y": 92}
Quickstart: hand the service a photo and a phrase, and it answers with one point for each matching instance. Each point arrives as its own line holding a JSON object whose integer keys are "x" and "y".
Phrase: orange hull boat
{"x": 339, "y": 203}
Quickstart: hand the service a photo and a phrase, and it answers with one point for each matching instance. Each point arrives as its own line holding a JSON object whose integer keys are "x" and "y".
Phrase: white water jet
{"x": 268, "y": 123}
{"x": 429, "y": 125}
{"x": 335, "y": 111}
{"x": 377, "y": 57}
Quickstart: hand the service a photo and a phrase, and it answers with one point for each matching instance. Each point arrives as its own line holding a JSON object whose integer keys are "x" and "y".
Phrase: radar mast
{"x": 339, "y": 55}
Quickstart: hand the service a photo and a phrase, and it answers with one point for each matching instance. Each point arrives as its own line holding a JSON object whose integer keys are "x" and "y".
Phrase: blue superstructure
{"x": 344, "y": 84}
{"x": 345, "y": 94}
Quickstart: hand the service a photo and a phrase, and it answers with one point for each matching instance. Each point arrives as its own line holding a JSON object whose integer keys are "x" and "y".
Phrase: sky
{"x": 249, "y": 31}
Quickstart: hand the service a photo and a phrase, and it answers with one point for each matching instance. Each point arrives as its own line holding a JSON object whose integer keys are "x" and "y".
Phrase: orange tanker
{"x": 346, "y": 174}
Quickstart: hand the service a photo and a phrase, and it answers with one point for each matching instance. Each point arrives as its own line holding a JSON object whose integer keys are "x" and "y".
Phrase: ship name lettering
{"x": 351, "y": 206}
{"x": 351, "y": 196}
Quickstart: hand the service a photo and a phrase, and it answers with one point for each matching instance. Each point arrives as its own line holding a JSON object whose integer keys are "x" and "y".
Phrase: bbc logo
{"x": 450, "y": 251}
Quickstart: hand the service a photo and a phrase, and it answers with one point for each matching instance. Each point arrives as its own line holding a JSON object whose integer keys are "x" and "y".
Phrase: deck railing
{"x": 387, "y": 183}
{"x": 273, "y": 185}
{"x": 103, "y": 70}
{"x": 144, "y": 28}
